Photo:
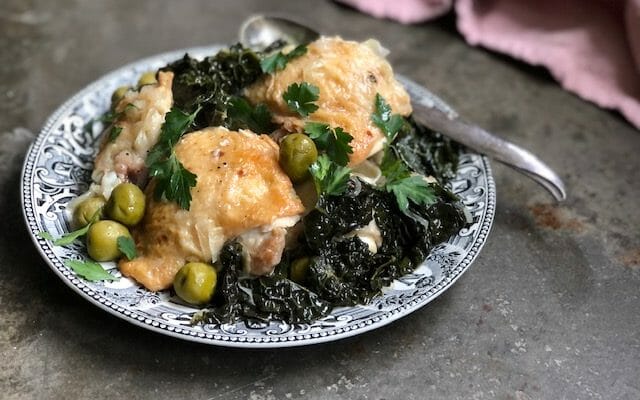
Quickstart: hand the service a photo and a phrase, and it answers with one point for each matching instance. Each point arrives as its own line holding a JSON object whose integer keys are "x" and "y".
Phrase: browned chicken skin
{"x": 241, "y": 192}
{"x": 348, "y": 74}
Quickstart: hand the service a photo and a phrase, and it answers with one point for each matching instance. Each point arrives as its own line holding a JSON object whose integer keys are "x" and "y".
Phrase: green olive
{"x": 118, "y": 94}
{"x": 126, "y": 204}
{"x": 195, "y": 283}
{"x": 299, "y": 269}
{"x": 102, "y": 240}
{"x": 297, "y": 153}
{"x": 87, "y": 210}
{"x": 148, "y": 78}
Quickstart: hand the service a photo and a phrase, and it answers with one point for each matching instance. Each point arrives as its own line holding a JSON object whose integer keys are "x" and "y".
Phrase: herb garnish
{"x": 388, "y": 123}
{"x": 70, "y": 237}
{"x": 405, "y": 187}
{"x": 329, "y": 177}
{"x": 277, "y": 61}
{"x": 242, "y": 115}
{"x": 172, "y": 179}
{"x": 114, "y": 133}
{"x": 300, "y": 98}
{"x": 334, "y": 141}
{"x": 398, "y": 178}
{"x": 90, "y": 270}
{"x": 127, "y": 246}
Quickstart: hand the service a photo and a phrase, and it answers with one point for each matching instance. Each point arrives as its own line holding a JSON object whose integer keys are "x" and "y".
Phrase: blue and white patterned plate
{"x": 58, "y": 168}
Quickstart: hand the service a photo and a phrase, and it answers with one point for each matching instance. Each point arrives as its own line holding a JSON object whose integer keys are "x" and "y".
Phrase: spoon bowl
{"x": 259, "y": 31}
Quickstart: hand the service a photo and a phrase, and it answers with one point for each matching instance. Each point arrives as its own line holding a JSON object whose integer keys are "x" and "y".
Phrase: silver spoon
{"x": 259, "y": 31}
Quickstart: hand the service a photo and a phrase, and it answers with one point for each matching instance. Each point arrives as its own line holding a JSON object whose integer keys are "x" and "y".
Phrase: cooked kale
{"x": 342, "y": 270}
{"x": 211, "y": 83}
{"x": 272, "y": 297}
{"x": 427, "y": 152}
{"x": 230, "y": 301}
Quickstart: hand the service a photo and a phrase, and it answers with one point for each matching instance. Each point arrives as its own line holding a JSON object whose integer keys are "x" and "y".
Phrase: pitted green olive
{"x": 148, "y": 78}
{"x": 299, "y": 269}
{"x": 126, "y": 204}
{"x": 195, "y": 283}
{"x": 87, "y": 210}
{"x": 118, "y": 94}
{"x": 297, "y": 153}
{"x": 102, "y": 240}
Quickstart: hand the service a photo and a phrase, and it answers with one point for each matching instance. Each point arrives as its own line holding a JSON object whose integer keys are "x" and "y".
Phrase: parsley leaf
{"x": 70, "y": 237}
{"x": 330, "y": 178}
{"x": 46, "y": 235}
{"x": 334, "y": 141}
{"x": 388, "y": 123}
{"x": 172, "y": 179}
{"x": 404, "y": 186}
{"x": 242, "y": 115}
{"x": 127, "y": 246}
{"x": 90, "y": 270}
{"x": 114, "y": 133}
{"x": 277, "y": 61}
{"x": 300, "y": 98}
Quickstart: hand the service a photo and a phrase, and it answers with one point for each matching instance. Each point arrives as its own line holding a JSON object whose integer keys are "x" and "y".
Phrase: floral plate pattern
{"x": 58, "y": 166}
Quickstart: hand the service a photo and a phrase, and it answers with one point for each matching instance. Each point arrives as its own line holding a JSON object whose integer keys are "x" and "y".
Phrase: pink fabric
{"x": 592, "y": 47}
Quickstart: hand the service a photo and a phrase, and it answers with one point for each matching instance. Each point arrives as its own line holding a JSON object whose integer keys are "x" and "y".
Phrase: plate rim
{"x": 26, "y": 186}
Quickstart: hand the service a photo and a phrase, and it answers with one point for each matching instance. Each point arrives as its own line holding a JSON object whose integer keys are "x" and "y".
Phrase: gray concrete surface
{"x": 550, "y": 309}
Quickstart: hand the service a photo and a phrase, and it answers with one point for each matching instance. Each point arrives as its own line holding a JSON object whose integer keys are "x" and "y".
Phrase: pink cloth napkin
{"x": 592, "y": 47}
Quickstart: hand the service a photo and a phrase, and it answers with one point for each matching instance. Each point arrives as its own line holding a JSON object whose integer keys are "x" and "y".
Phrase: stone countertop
{"x": 549, "y": 310}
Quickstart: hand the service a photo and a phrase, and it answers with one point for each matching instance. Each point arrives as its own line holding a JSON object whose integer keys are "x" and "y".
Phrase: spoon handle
{"x": 484, "y": 142}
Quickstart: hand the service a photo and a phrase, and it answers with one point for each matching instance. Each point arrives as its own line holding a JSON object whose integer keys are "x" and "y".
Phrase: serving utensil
{"x": 259, "y": 31}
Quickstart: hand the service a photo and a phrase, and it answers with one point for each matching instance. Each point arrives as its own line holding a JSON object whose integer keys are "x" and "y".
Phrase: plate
{"x": 58, "y": 166}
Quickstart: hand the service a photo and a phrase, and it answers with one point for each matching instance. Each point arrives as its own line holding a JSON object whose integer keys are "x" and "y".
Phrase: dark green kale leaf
{"x": 272, "y": 297}
{"x": 343, "y": 270}
{"x": 230, "y": 301}
{"x": 241, "y": 115}
{"x": 210, "y": 83}
{"x": 427, "y": 152}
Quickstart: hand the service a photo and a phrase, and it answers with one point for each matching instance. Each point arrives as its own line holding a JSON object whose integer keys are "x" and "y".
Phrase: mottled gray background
{"x": 549, "y": 310}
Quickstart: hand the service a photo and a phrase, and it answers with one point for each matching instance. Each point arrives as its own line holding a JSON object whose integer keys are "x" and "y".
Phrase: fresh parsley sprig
{"x": 71, "y": 237}
{"x": 277, "y": 61}
{"x": 90, "y": 270}
{"x": 127, "y": 246}
{"x": 397, "y": 176}
{"x": 172, "y": 179}
{"x": 329, "y": 177}
{"x": 335, "y": 142}
{"x": 300, "y": 98}
{"x": 242, "y": 115}
{"x": 405, "y": 186}
{"x": 67, "y": 238}
{"x": 382, "y": 117}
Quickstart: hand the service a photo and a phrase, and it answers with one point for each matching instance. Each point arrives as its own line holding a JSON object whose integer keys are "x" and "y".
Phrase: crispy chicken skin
{"x": 348, "y": 74}
{"x": 241, "y": 190}
{"x": 143, "y": 112}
